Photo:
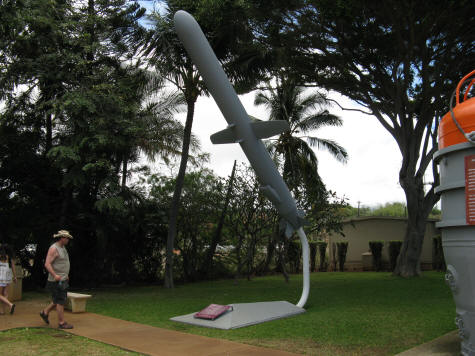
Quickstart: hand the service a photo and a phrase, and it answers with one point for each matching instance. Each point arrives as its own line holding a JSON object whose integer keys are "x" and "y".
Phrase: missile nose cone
{"x": 181, "y": 14}
{"x": 183, "y": 19}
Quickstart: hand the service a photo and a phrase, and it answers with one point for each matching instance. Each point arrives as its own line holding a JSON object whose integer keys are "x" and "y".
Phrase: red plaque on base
{"x": 213, "y": 311}
{"x": 470, "y": 189}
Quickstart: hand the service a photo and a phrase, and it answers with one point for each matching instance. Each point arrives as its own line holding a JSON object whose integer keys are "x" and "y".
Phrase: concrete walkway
{"x": 132, "y": 336}
{"x": 446, "y": 345}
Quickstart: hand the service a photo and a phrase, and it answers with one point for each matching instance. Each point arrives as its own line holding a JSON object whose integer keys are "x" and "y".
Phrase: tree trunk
{"x": 281, "y": 258}
{"x": 217, "y": 236}
{"x": 251, "y": 252}
{"x": 419, "y": 206}
{"x": 49, "y": 133}
{"x": 176, "y": 195}
{"x": 67, "y": 196}
{"x": 270, "y": 252}
{"x": 238, "y": 258}
{"x": 313, "y": 256}
{"x": 124, "y": 173}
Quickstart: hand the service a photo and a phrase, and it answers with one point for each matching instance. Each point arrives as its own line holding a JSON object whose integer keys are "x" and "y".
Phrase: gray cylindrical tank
{"x": 458, "y": 235}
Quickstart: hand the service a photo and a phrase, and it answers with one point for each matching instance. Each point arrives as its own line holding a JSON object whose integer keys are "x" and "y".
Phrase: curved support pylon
{"x": 306, "y": 268}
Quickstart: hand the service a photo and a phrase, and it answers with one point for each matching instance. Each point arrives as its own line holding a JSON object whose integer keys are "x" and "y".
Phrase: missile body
{"x": 240, "y": 129}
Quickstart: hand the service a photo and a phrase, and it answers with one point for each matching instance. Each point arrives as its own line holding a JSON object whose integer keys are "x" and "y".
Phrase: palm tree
{"x": 305, "y": 114}
{"x": 169, "y": 59}
{"x": 225, "y": 29}
{"x": 156, "y": 133}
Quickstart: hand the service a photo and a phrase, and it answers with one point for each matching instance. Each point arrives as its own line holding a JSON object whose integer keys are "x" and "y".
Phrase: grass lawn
{"x": 347, "y": 313}
{"x": 45, "y": 341}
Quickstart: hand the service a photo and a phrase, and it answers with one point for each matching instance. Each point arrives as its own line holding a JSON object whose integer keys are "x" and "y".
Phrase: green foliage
{"x": 64, "y": 155}
{"x": 293, "y": 255}
{"x": 201, "y": 200}
{"x": 394, "y": 209}
{"x": 110, "y": 204}
{"x": 322, "y": 253}
{"x": 391, "y": 209}
{"x": 342, "y": 248}
{"x": 313, "y": 255}
{"x": 394, "y": 249}
{"x": 376, "y": 248}
{"x": 252, "y": 225}
{"x": 436, "y": 213}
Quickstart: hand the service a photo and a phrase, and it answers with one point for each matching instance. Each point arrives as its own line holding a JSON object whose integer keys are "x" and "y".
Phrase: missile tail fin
{"x": 286, "y": 228}
{"x": 224, "y": 136}
{"x": 289, "y": 231}
{"x": 266, "y": 129}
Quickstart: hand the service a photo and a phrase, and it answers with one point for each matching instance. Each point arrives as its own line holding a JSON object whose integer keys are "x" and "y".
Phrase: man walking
{"x": 57, "y": 264}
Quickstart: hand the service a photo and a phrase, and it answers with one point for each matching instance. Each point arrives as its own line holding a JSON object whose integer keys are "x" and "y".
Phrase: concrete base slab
{"x": 245, "y": 314}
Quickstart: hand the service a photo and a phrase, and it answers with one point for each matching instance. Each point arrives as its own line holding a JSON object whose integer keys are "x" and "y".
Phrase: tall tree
{"x": 170, "y": 59}
{"x": 400, "y": 62}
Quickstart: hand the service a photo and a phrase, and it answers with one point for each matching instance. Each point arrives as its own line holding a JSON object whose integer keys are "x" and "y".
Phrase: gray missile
{"x": 240, "y": 129}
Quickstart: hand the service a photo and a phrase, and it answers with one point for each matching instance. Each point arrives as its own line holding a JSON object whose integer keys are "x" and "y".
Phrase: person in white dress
{"x": 7, "y": 276}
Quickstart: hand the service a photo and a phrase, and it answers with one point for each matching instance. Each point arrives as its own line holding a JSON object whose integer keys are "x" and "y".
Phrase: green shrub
{"x": 376, "y": 248}
{"x": 342, "y": 248}
{"x": 322, "y": 251}
{"x": 438, "y": 260}
{"x": 293, "y": 255}
{"x": 313, "y": 255}
{"x": 394, "y": 249}
{"x": 334, "y": 256}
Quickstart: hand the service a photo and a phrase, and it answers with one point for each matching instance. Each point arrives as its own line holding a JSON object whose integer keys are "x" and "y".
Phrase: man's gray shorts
{"x": 58, "y": 294}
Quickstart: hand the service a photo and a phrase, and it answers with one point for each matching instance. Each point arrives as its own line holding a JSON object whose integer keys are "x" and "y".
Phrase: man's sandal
{"x": 65, "y": 325}
{"x": 44, "y": 317}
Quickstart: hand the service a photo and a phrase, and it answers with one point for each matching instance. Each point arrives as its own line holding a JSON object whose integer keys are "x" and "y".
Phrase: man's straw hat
{"x": 63, "y": 233}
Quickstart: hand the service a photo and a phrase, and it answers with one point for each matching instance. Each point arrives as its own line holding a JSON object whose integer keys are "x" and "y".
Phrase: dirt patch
{"x": 8, "y": 339}
{"x": 61, "y": 335}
